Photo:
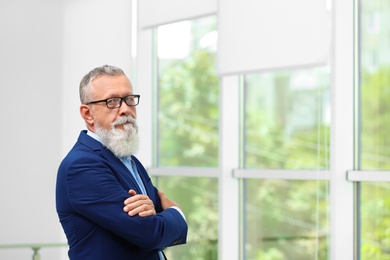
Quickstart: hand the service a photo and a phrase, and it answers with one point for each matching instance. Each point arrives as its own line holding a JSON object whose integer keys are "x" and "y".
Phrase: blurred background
{"x": 267, "y": 121}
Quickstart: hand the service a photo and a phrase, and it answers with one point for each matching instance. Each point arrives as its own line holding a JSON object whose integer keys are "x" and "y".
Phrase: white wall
{"x": 30, "y": 108}
{"x": 96, "y": 32}
{"x": 45, "y": 48}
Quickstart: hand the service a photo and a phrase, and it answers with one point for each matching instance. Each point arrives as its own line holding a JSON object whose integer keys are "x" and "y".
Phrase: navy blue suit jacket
{"x": 92, "y": 184}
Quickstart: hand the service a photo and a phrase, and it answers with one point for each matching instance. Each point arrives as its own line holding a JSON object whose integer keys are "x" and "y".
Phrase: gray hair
{"x": 86, "y": 86}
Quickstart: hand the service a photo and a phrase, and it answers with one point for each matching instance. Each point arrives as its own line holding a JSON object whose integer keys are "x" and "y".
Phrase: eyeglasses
{"x": 116, "y": 102}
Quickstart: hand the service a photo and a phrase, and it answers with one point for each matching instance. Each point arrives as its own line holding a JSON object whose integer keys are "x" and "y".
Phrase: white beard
{"x": 123, "y": 143}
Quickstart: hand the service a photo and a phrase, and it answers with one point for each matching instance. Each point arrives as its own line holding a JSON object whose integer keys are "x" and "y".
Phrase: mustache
{"x": 125, "y": 119}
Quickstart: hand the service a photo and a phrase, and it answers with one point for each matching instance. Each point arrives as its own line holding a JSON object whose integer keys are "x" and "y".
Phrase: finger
{"x": 131, "y": 203}
{"x": 139, "y": 209}
{"x": 151, "y": 212}
{"x": 129, "y": 200}
{"x": 139, "y": 206}
{"x": 132, "y": 192}
{"x": 143, "y": 211}
{"x": 137, "y": 202}
{"x": 134, "y": 197}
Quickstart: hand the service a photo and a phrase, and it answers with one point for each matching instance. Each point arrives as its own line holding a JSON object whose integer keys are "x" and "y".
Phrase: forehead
{"x": 106, "y": 85}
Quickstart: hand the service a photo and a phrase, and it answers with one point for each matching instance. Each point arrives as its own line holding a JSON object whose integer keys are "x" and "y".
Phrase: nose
{"x": 125, "y": 110}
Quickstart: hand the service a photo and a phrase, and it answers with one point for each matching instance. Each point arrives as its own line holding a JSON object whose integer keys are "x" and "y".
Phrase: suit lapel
{"x": 120, "y": 171}
{"x": 119, "y": 168}
{"x": 143, "y": 175}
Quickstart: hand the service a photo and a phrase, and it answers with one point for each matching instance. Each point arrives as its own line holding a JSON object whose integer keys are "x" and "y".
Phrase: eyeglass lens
{"x": 117, "y": 102}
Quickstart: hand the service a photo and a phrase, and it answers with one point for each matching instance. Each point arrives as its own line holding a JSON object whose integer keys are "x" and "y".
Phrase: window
{"x": 287, "y": 126}
{"x": 257, "y": 157}
{"x": 374, "y": 152}
{"x": 188, "y": 121}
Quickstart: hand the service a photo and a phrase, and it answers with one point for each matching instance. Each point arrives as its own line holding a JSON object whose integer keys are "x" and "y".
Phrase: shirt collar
{"x": 94, "y": 136}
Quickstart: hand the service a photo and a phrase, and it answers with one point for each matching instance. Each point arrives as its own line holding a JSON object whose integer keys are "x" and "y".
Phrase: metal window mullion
{"x": 282, "y": 174}
{"x": 143, "y": 84}
{"x": 342, "y": 129}
{"x": 184, "y": 172}
{"x": 228, "y": 238}
{"x": 370, "y": 176}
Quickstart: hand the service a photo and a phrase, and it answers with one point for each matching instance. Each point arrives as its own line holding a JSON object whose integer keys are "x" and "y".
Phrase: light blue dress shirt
{"x": 133, "y": 169}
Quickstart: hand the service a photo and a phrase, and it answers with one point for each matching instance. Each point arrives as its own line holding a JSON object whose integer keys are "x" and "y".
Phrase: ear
{"x": 87, "y": 114}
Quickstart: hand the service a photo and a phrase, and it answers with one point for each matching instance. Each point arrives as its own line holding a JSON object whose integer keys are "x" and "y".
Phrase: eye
{"x": 111, "y": 101}
{"x": 129, "y": 98}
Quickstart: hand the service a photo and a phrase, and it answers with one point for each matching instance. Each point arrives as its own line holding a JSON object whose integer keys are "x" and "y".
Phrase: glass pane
{"x": 188, "y": 94}
{"x": 286, "y": 220}
{"x": 375, "y": 127}
{"x": 375, "y": 85}
{"x": 288, "y": 120}
{"x": 198, "y": 198}
{"x": 375, "y": 219}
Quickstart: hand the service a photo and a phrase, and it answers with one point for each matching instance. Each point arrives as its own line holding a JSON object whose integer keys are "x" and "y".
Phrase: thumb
{"x": 132, "y": 192}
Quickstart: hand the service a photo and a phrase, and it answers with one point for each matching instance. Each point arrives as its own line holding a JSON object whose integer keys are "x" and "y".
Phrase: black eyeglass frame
{"x": 121, "y": 99}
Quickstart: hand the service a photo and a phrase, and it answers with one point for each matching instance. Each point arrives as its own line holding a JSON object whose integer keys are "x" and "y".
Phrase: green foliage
{"x": 285, "y": 129}
{"x": 189, "y": 137}
{"x": 287, "y": 217}
{"x": 375, "y": 215}
{"x": 198, "y": 198}
{"x": 375, "y": 154}
{"x": 276, "y": 138}
{"x": 375, "y": 97}
{"x": 188, "y": 113}
{"x": 188, "y": 129}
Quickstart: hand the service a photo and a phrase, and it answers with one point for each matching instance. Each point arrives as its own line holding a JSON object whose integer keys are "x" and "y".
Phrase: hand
{"x": 165, "y": 202}
{"x": 139, "y": 204}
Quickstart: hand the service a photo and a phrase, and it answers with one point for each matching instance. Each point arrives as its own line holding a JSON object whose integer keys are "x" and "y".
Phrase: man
{"x": 106, "y": 202}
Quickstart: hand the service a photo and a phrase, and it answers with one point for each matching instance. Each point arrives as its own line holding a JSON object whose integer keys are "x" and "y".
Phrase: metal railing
{"x": 34, "y": 247}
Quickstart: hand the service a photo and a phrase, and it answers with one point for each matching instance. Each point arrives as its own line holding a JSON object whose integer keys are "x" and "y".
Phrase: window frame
{"x": 342, "y": 175}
